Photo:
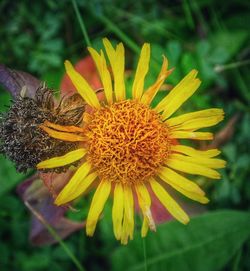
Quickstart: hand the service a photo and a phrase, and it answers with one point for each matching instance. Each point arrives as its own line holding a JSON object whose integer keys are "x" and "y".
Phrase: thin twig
{"x": 81, "y": 23}
{"x": 55, "y": 235}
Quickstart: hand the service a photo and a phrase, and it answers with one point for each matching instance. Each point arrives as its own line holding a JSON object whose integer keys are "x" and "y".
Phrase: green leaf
{"x": 9, "y": 176}
{"x": 207, "y": 243}
{"x": 229, "y": 42}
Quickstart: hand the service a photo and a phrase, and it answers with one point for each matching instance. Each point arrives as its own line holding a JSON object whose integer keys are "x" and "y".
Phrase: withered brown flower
{"x": 21, "y": 138}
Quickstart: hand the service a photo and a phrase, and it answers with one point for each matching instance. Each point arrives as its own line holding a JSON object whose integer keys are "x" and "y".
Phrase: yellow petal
{"x": 104, "y": 73}
{"x": 82, "y": 86}
{"x": 178, "y": 95}
{"x": 212, "y": 112}
{"x": 118, "y": 210}
{"x": 168, "y": 202}
{"x": 80, "y": 188}
{"x": 192, "y": 168}
{"x": 174, "y": 179}
{"x": 150, "y": 93}
{"x": 109, "y": 50}
{"x": 191, "y": 135}
{"x": 128, "y": 211}
{"x": 191, "y": 195}
{"x": 145, "y": 226}
{"x": 185, "y": 93}
{"x": 71, "y": 189}
{"x": 195, "y": 124}
{"x": 183, "y": 185}
{"x": 63, "y": 160}
{"x": 193, "y": 152}
{"x": 208, "y": 162}
{"x": 99, "y": 199}
{"x": 65, "y": 128}
{"x": 145, "y": 203}
{"x": 117, "y": 62}
{"x": 125, "y": 231}
{"x": 141, "y": 71}
{"x": 62, "y": 135}
{"x": 186, "y": 80}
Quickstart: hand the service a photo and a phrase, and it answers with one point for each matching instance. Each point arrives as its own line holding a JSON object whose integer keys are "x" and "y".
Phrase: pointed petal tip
{"x": 67, "y": 63}
{"x": 90, "y": 232}
{"x": 205, "y": 200}
{"x": 58, "y": 201}
{"x": 186, "y": 220}
{"x": 106, "y": 42}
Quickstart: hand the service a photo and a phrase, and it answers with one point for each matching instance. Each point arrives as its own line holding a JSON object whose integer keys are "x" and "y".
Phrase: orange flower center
{"x": 127, "y": 142}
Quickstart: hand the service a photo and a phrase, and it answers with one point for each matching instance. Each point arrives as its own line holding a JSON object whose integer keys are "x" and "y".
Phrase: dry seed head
{"x": 23, "y": 142}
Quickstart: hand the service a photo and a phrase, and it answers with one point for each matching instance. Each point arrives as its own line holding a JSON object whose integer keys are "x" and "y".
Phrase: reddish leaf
{"x": 39, "y": 200}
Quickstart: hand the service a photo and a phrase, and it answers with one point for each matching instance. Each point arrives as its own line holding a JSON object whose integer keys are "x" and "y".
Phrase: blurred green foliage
{"x": 211, "y": 36}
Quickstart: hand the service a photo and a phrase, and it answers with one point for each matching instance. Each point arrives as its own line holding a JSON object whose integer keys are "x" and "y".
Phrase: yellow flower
{"x": 127, "y": 147}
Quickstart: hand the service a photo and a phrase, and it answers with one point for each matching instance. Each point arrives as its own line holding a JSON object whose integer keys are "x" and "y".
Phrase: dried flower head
{"x": 130, "y": 149}
{"x": 22, "y": 139}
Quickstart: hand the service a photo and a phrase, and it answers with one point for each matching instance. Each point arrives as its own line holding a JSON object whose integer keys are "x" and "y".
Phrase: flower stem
{"x": 56, "y": 236}
{"x": 234, "y": 65}
{"x": 145, "y": 254}
{"x": 81, "y": 23}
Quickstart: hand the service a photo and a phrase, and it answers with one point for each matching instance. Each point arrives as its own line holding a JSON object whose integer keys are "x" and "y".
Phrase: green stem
{"x": 56, "y": 236}
{"x": 81, "y": 23}
{"x": 115, "y": 29}
{"x": 145, "y": 254}
{"x": 220, "y": 68}
{"x": 188, "y": 14}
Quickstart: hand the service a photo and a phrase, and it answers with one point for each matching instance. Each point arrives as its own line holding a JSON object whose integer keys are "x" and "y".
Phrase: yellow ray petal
{"x": 63, "y": 128}
{"x": 185, "y": 93}
{"x": 208, "y": 162}
{"x": 125, "y": 231}
{"x": 183, "y": 185}
{"x": 117, "y": 62}
{"x": 150, "y": 93}
{"x": 191, "y": 135}
{"x": 192, "y": 168}
{"x": 71, "y": 189}
{"x": 178, "y": 95}
{"x": 212, "y": 112}
{"x": 60, "y": 161}
{"x": 145, "y": 226}
{"x": 99, "y": 199}
{"x": 190, "y": 77}
{"x": 191, "y": 195}
{"x": 109, "y": 49}
{"x": 80, "y": 188}
{"x": 145, "y": 203}
{"x": 62, "y": 135}
{"x": 174, "y": 179}
{"x": 193, "y": 152}
{"x": 168, "y": 202}
{"x": 118, "y": 210}
{"x": 82, "y": 86}
{"x": 195, "y": 124}
{"x": 141, "y": 71}
{"x": 104, "y": 73}
{"x": 128, "y": 211}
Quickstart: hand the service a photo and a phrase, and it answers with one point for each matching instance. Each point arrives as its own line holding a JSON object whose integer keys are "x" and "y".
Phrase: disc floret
{"x": 127, "y": 142}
